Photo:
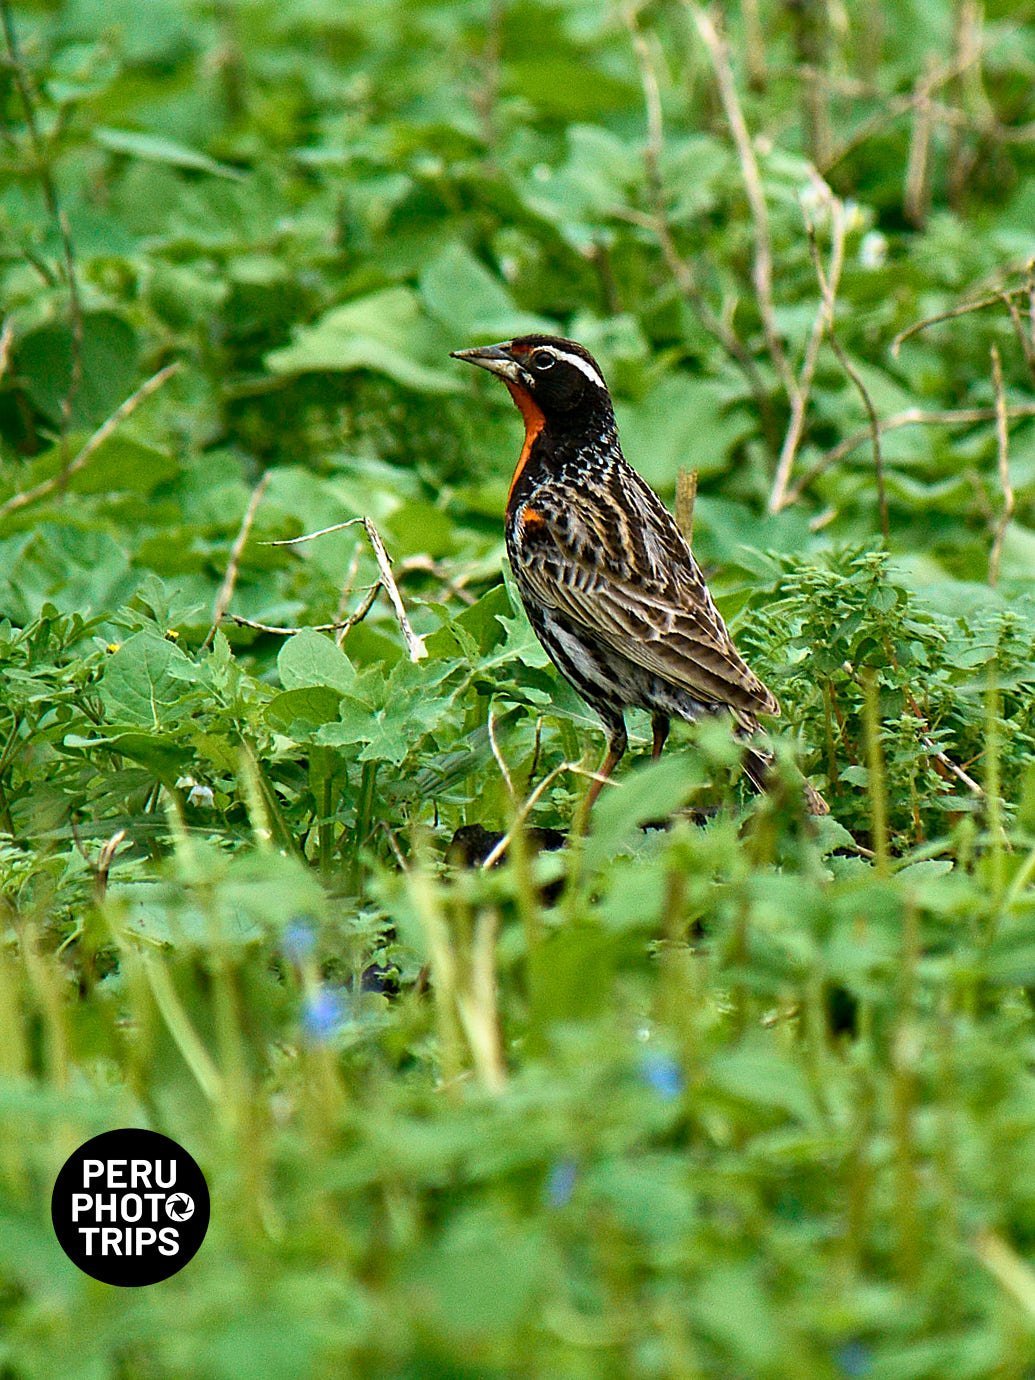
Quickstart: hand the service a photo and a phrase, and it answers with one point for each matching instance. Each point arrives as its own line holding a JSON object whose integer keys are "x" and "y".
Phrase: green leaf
{"x": 647, "y": 793}
{"x": 303, "y": 709}
{"x": 312, "y": 659}
{"x": 465, "y": 296}
{"x": 683, "y": 423}
{"x": 146, "y": 680}
{"x": 156, "y": 148}
{"x": 383, "y": 332}
{"x": 107, "y": 372}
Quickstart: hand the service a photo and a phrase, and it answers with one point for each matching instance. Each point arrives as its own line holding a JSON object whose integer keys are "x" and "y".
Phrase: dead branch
{"x": 346, "y": 590}
{"x": 963, "y": 309}
{"x": 414, "y": 644}
{"x": 6, "y": 339}
{"x": 226, "y": 589}
{"x": 829, "y": 283}
{"x": 762, "y": 267}
{"x": 658, "y": 223}
{"x": 686, "y": 499}
{"x": 912, "y": 416}
{"x": 341, "y": 626}
{"x": 103, "y": 432}
{"x": 500, "y": 760}
{"x": 1003, "y": 458}
{"x": 494, "y": 855}
{"x": 827, "y": 288}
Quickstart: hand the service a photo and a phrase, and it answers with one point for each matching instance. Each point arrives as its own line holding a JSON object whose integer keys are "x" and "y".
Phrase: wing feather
{"x": 618, "y": 567}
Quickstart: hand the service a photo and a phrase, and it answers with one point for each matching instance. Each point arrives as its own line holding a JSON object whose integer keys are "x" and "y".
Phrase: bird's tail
{"x": 757, "y": 765}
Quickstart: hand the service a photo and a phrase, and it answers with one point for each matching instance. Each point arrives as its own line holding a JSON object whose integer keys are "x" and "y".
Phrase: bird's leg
{"x": 618, "y": 741}
{"x": 660, "y": 724}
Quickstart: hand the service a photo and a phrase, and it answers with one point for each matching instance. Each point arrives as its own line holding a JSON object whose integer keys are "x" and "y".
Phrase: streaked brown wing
{"x": 616, "y": 564}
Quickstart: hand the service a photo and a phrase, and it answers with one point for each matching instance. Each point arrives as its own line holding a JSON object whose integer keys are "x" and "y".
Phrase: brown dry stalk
{"x": 414, "y": 644}
{"x": 828, "y": 289}
{"x": 892, "y": 110}
{"x": 916, "y": 191}
{"x": 962, "y": 309}
{"x": 824, "y": 322}
{"x": 686, "y": 498}
{"x": 681, "y": 270}
{"x": 1003, "y": 458}
{"x": 718, "y": 52}
{"x": 103, "y": 432}
{"x": 346, "y": 592}
{"x": 226, "y": 589}
{"x": 342, "y": 626}
{"x": 912, "y": 416}
{"x": 6, "y": 339}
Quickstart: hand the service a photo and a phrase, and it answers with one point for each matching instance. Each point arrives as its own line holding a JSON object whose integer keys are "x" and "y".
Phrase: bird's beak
{"x": 496, "y": 358}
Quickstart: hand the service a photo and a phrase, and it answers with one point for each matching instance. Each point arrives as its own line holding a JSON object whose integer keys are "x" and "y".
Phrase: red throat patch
{"x": 534, "y": 422}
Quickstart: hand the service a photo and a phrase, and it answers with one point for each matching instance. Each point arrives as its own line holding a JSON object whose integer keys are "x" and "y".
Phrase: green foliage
{"x": 749, "y": 1095}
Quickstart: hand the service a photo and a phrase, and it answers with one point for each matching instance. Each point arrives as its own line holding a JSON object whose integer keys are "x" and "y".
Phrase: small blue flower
{"x": 854, "y": 1358}
{"x": 323, "y": 1012}
{"x": 560, "y": 1183}
{"x": 663, "y": 1074}
{"x": 298, "y": 940}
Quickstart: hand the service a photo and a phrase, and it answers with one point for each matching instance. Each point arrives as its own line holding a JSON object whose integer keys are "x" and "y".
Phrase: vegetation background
{"x": 746, "y": 1097}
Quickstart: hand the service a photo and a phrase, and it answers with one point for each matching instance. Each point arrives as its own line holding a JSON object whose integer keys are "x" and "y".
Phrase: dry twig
{"x": 226, "y": 589}
{"x": 762, "y": 267}
{"x": 828, "y": 289}
{"x": 341, "y": 626}
{"x": 106, "y": 429}
{"x": 962, "y": 309}
{"x": 346, "y": 591}
{"x": 501, "y": 846}
{"x": 686, "y": 499}
{"x": 414, "y": 644}
{"x": 1025, "y": 338}
{"x": 658, "y": 223}
{"x": 916, "y": 191}
{"x": 6, "y": 340}
{"x": 824, "y": 322}
{"x": 912, "y": 416}
{"x": 1003, "y": 457}
{"x": 498, "y": 755}
{"x": 891, "y": 110}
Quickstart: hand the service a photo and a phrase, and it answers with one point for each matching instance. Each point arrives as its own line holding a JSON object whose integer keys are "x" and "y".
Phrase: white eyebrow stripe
{"x": 578, "y": 362}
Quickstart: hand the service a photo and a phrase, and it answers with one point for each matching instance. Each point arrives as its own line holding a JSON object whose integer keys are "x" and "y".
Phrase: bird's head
{"x": 548, "y": 375}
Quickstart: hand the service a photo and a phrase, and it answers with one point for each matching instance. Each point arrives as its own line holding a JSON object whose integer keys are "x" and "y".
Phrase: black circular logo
{"x": 130, "y": 1207}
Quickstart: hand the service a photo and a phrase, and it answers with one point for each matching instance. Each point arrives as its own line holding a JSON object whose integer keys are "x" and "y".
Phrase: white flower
{"x": 873, "y": 250}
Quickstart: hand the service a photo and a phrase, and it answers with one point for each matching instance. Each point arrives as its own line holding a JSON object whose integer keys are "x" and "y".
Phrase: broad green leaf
{"x": 465, "y": 296}
{"x": 146, "y": 681}
{"x": 107, "y": 367}
{"x": 683, "y": 423}
{"x": 303, "y": 709}
{"x": 313, "y": 659}
{"x": 383, "y": 332}
{"x": 156, "y": 148}
{"x": 647, "y": 793}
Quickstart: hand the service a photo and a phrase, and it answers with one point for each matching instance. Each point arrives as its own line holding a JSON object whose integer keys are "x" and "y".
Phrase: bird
{"x": 608, "y": 580}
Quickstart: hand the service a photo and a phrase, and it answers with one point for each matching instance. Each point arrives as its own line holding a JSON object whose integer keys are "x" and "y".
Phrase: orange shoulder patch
{"x": 532, "y": 517}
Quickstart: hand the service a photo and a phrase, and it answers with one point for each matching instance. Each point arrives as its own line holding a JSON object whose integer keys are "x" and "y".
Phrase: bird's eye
{"x": 543, "y": 359}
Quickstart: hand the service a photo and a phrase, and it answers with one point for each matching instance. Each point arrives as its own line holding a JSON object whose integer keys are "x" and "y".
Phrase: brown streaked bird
{"x": 609, "y": 582}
